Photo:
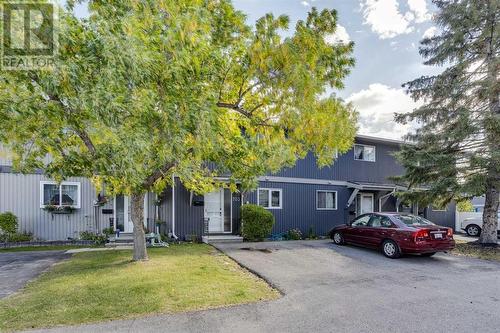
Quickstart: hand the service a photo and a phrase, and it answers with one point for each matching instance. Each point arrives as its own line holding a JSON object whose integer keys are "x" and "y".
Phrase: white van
{"x": 472, "y": 225}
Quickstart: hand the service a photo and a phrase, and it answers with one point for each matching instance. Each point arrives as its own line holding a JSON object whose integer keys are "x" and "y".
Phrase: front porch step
{"x": 125, "y": 239}
{"x": 212, "y": 239}
{"x": 120, "y": 246}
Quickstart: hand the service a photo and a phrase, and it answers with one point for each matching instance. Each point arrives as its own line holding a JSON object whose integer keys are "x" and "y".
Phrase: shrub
{"x": 20, "y": 237}
{"x": 256, "y": 222}
{"x": 465, "y": 206}
{"x": 98, "y": 239}
{"x": 8, "y": 223}
{"x": 294, "y": 234}
{"x": 108, "y": 231}
{"x": 311, "y": 234}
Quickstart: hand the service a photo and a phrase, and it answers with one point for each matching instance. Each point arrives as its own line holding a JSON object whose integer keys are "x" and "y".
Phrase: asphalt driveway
{"x": 17, "y": 268}
{"x": 345, "y": 289}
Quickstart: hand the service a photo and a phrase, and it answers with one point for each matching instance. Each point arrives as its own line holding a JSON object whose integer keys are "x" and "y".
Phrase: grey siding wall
{"x": 445, "y": 218}
{"x": 347, "y": 169}
{"x": 20, "y": 194}
{"x": 299, "y": 207}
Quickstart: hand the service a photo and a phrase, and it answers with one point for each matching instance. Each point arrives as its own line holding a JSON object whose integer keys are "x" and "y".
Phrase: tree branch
{"x": 158, "y": 174}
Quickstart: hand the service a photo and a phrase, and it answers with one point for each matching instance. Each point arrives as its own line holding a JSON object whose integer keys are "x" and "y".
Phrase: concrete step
{"x": 121, "y": 239}
{"x": 124, "y": 246}
{"x": 212, "y": 239}
{"x": 124, "y": 238}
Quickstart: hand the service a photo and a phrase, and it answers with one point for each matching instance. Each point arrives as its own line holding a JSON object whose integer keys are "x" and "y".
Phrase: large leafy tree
{"x": 456, "y": 150}
{"x": 144, "y": 90}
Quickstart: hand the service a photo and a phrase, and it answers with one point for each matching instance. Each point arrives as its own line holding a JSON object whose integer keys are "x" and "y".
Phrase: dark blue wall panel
{"x": 299, "y": 207}
{"x": 346, "y": 168}
{"x": 188, "y": 218}
{"x": 445, "y": 218}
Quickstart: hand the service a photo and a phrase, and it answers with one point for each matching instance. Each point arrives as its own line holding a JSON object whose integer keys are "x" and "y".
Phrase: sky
{"x": 386, "y": 34}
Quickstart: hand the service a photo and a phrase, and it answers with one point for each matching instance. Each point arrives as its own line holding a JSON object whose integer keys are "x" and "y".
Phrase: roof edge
{"x": 378, "y": 139}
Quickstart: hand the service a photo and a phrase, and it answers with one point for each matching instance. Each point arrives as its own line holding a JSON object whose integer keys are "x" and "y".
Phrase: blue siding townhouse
{"x": 303, "y": 197}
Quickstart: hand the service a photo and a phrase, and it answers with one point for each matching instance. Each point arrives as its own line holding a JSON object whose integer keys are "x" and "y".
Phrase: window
{"x": 326, "y": 200}
{"x": 64, "y": 194}
{"x": 364, "y": 153}
{"x": 361, "y": 221}
{"x": 378, "y": 221}
{"x": 269, "y": 198}
{"x": 412, "y": 220}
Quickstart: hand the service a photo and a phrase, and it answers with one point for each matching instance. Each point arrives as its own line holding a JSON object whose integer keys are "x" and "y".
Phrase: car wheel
{"x": 473, "y": 230}
{"x": 338, "y": 238}
{"x": 430, "y": 254}
{"x": 391, "y": 249}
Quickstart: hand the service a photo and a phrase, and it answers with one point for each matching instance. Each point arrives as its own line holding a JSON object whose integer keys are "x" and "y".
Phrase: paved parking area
{"x": 345, "y": 289}
{"x": 17, "y": 268}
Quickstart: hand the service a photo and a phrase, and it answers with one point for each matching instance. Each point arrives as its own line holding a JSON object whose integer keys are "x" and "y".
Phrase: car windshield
{"x": 412, "y": 220}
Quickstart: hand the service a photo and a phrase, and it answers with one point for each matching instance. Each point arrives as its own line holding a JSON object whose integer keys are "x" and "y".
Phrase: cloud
{"x": 377, "y": 105}
{"x": 385, "y": 18}
{"x": 340, "y": 36}
{"x": 305, "y": 3}
{"x": 419, "y": 8}
{"x": 431, "y": 32}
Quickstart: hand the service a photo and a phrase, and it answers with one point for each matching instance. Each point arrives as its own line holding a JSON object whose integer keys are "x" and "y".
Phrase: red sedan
{"x": 395, "y": 234}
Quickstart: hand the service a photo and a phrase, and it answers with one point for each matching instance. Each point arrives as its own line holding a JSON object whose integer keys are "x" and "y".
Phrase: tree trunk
{"x": 491, "y": 201}
{"x": 490, "y": 218}
{"x": 140, "y": 252}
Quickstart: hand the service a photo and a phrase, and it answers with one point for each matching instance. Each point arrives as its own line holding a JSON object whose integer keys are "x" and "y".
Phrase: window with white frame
{"x": 64, "y": 194}
{"x": 364, "y": 153}
{"x": 326, "y": 200}
{"x": 269, "y": 198}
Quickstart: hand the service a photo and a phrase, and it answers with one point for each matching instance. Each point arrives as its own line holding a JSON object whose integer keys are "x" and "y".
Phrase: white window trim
{"x": 79, "y": 194}
{"x": 326, "y": 191}
{"x": 269, "y": 196}
{"x": 360, "y": 144}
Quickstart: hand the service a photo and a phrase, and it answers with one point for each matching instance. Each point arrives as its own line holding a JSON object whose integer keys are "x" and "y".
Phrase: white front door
{"x": 129, "y": 225}
{"x": 365, "y": 203}
{"x": 214, "y": 211}
{"x": 123, "y": 214}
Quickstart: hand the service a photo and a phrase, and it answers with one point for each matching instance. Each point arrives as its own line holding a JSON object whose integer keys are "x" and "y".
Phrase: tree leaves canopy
{"x": 143, "y": 90}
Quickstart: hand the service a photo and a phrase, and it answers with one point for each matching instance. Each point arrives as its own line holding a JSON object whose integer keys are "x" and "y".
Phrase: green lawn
{"x": 47, "y": 248}
{"x": 98, "y": 286}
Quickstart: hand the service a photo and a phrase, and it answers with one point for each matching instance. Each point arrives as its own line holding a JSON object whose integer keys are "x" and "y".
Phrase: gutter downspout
{"x": 173, "y": 208}
{"x": 383, "y": 197}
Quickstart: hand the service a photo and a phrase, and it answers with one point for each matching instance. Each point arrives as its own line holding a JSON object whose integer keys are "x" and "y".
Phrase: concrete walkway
{"x": 344, "y": 289}
{"x": 17, "y": 268}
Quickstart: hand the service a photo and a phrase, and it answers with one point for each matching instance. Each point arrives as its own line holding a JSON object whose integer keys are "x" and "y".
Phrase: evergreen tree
{"x": 455, "y": 150}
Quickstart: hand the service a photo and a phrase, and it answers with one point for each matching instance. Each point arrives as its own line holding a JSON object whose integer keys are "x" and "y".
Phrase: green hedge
{"x": 257, "y": 223}
{"x": 8, "y": 223}
{"x": 8, "y": 229}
